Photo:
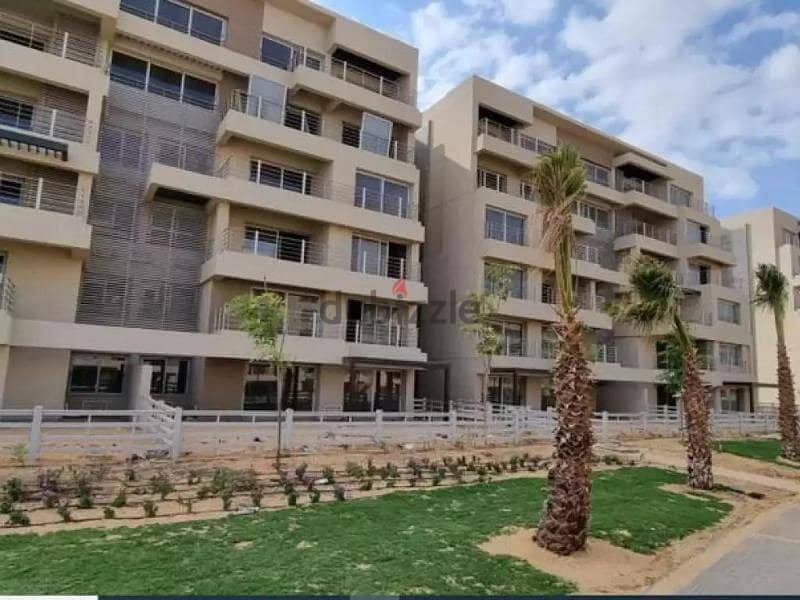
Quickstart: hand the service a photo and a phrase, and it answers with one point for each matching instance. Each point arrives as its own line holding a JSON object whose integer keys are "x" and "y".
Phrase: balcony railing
{"x": 309, "y": 185}
{"x": 605, "y": 353}
{"x": 662, "y": 234}
{"x": 341, "y": 69}
{"x": 39, "y": 193}
{"x": 8, "y": 294}
{"x": 273, "y": 244}
{"x": 312, "y": 123}
{"x": 22, "y": 31}
{"x": 597, "y": 173}
{"x": 301, "y": 323}
{"x": 43, "y": 120}
{"x": 135, "y": 8}
{"x": 504, "y": 234}
{"x": 513, "y": 136}
{"x": 628, "y": 184}
{"x": 499, "y": 183}
{"x": 381, "y": 334}
{"x": 586, "y": 253}
{"x": 510, "y": 346}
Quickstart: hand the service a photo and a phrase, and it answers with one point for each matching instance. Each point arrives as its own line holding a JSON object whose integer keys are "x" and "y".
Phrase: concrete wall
{"x": 36, "y": 376}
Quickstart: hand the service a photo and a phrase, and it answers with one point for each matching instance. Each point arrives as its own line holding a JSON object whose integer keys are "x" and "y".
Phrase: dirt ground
{"x": 607, "y": 569}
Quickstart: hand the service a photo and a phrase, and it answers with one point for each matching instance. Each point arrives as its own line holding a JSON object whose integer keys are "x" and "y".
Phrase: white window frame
{"x": 506, "y": 214}
{"x": 384, "y": 267}
{"x": 383, "y": 181}
{"x": 501, "y": 178}
{"x": 192, "y": 10}
{"x": 735, "y": 311}
{"x": 306, "y": 176}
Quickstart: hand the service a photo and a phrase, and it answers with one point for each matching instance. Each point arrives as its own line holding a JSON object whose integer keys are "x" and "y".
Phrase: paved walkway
{"x": 766, "y": 562}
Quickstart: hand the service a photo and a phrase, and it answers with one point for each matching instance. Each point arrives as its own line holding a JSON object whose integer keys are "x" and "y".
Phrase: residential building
{"x": 481, "y": 142}
{"x": 159, "y": 157}
{"x": 770, "y": 236}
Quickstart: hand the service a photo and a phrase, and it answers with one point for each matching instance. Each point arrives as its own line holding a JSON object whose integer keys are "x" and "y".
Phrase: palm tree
{"x": 656, "y": 299}
{"x": 559, "y": 180}
{"x": 772, "y": 293}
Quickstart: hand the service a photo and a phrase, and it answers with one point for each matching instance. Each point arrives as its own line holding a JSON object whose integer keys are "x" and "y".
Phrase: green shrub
{"x": 256, "y": 496}
{"x": 64, "y": 512}
{"x": 204, "y": 492}
{"x": 366, "y": 485}
{"x": 161, "y": 485}
{"x": 108, "y": 513}
{"x": 49, "y": 499}
{"x": 49, "y": 480}
{"x": 130, "y": 475}
{"x": 13, "y": 489}
{"x": 120, "y": 500}
{"x": 85, "y": 501}
{"x": 83, "y": 482}
{"x": 339, "y": 493}
{"x": 193, "y": 477}
{"x": 226, "y": 495}
{"x": 329, "y": 474}
{"x": 17, "y": 518}
{"x": 313, "y": 496}
{"x": 6, "y": 505}
{"x": 291, "y": 499}
{"x": 353, "y": 470}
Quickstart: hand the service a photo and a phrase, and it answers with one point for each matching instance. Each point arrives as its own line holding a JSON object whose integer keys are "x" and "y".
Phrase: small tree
{"x": 263, "y": 317}
{"x": 772, "y": 294}
{"x": 497, "y": 286}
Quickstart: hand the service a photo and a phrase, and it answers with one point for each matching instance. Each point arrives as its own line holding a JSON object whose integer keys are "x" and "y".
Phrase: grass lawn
{"x": 766, "y": 450}
{"x": 404, "y": 543}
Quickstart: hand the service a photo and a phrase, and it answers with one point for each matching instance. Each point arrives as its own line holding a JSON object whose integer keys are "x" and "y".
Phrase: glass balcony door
{"x": 266, "y": 99}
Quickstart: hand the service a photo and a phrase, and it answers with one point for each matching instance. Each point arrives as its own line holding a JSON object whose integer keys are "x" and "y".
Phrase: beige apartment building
{"x": 159, "y": 157}
{"x": 772, "y": 236}
{"x": 481, "y": 142}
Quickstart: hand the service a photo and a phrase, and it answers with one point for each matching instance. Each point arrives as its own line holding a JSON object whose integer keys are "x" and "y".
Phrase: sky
{"x": 712, "y": 85}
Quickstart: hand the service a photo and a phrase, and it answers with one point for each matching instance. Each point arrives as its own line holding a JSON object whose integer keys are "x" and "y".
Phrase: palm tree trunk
{"x": 787, "y": 409}
{"x": 565, "y": 520}
{"x": 698, "y": 449}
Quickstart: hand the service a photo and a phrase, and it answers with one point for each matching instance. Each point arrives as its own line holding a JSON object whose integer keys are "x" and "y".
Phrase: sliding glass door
{"x": 266, "y": 99}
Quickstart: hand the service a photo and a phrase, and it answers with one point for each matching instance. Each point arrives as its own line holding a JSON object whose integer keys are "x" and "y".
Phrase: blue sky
{"x": 713, "y": 85}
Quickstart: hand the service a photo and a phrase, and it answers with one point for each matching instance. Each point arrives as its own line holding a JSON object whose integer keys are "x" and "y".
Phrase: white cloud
{"x": 654, "y": 71}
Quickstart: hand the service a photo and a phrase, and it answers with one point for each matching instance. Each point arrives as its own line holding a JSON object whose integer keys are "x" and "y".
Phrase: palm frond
{"x": 655, "y": 296}
{"x": 772, "y": 288}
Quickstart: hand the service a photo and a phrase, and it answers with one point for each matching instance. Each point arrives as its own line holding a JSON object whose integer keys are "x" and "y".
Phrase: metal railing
{"x": 161, "y": 19}
{"x": 39, "y": 193}
{"x": 341, "y": 69}
{"x": 278, "y": 246}
{"x": 301, "y": 323}
{"x": 627, "y": 184}
{"x": 362, "y": 197}
{"x": 586, "y": 253}
{"x": 354, "y": 136}
{"x": 505, "y": 234}
{"x": 509, "y": 346}
{"x": 8, "y": 294}
{"x": 22, "y": 31}
{"x": 597, "y": 173}
{"x": 709, "y": 209}
{"x": 381, "y": 334}
{"x": 605, "y": 353}
{"x": 312, "y": 123}
{"x": 41, "y": 119}
{"x": 513, "y": 136}
{"x": 662, "y": 234}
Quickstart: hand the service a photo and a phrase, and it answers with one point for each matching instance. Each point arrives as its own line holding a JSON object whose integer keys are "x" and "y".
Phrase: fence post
{"x": 517, "y": 426}
{"x": 177, "y": 434}
{"x": 604, "y": 427}
{"x": 453, "y": 422}
{"x": 645, "y": 421}
{"x": 288, "y": 427}
{"x": 378, "y": 424}
{"x": 741, "y": 423}
{"x": 35, "y": 437}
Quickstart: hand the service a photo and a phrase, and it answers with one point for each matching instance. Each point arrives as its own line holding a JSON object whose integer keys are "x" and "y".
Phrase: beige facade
{"x": 769, "y": 236}
{"x": 481, "y": 143}
{"x": 159, "y": 160}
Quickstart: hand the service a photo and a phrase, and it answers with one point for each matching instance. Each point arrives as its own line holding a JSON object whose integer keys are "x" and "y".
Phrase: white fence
{"x": 157, "y": 428}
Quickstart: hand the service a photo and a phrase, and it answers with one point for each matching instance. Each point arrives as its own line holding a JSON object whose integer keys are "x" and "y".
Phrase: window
{"x": 281, "y": 177}
{"x": 122, "y": 145}
{"x": 351, "y": 134}
{"x": 493, "y": 181}
{"x": 791, "y": 238}
{"x": 369, "y": 256}
{"x": 502, "y": 390}
{"x": 16, "y": 113}
{"x": 276, "y": 53}
{"x": 729, "y": 399}
{"x": 505, "y": 226}
{"x": 11, "y": 189}
{"x": 129, "y": 70}
{"x": 526, "y": 190}
{"x": 170, "y": 375}
{"x": 381, "y": 195}
{"x": 179, "y": 16}
{"x": 302, "y": 119}
{"x": 376, "y": 134}
{"x": 162, "y": 81}
{"x": 96, "y": 374}
{"x": 729, "y": 312}
{"x": 511, "y": 337}
{"x": 516, "y": 280}
{"x": 730, "y": 356}
{"x": 680, "y": 196}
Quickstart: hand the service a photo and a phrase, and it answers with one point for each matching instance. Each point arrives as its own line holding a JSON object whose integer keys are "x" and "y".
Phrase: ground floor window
{"x": 373, "y": 390}
{"x": 96, "y": 374}
{"x": 731, "y": 399}
{"x": 170, "y": 375}
{"x": 503, "y": 389}
{"x": 261, "y": 388}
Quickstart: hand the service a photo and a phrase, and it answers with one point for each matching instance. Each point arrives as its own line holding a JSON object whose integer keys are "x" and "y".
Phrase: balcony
{"x": 704, "y": 245}
{"x": 650, "y": 238}
{"x": 41, "y": 211}
{"x": 580, "y": 222}
{"x": 644, "y": 194}
{"x": 509, "y": 143}
{"x": 52, "y": 55}
{"x": 239, "y": 256}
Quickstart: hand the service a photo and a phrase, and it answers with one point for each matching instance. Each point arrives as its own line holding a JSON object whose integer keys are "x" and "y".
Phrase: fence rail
{"x": 22, "y": 31}
{"x": 156, "y": 426}
{"x": 40, "y": 193}
{"x": 41, "y": 119}
{"x": 8, "y": 295}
